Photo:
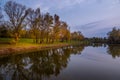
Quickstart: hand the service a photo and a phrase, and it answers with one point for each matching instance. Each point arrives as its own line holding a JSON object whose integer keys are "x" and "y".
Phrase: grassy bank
{"x": 26, "y": 45}
{"x": 22, "y": 48}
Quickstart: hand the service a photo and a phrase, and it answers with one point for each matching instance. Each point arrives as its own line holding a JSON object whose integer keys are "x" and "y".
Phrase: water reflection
{"x": 97, "y": 45}
{"x": 114, "y": 50}
{"x": 38, "y": 65}
{"x": 46, "y": 64}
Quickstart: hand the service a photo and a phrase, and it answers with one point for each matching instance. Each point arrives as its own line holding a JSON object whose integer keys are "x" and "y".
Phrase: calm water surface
{"x": 95, "y": 62}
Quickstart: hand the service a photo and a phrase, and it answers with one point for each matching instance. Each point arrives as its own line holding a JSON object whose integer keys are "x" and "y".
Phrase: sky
{"x": 79, "y": 12}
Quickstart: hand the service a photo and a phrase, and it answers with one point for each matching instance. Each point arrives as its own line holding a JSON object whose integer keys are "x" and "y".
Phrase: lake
{"x": 90, "y": 62}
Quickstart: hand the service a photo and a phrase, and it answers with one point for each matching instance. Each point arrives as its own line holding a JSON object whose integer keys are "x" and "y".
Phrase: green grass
{"x": 28, "y": 45}
{"x": 5, "y": 39}
{"x": 30, "y": 41}
{"x": 24, "y": 40}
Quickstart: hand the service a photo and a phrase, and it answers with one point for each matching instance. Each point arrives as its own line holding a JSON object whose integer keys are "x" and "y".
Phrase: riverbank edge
{"x": 20, "y": 50}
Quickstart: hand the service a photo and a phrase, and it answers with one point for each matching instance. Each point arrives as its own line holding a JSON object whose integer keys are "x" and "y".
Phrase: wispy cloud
{"x": 68, "y": 3}
{"x": 43, "y": 8}
{"x": 100, "y": 28}
{"x": 46, "y": 5}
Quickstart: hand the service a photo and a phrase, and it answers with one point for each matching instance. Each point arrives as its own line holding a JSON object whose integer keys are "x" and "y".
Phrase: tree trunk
{"x": 16, "y": 37}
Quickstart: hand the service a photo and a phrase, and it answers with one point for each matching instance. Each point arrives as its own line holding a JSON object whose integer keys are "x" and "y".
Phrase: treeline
{"x": 113, "y": 37}
{"x": 97, "y": 40}
{"x": 21, "y": 22}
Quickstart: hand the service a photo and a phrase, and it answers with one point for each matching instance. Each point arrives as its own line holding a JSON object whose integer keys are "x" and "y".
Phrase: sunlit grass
{"x": 5, "y": 39}
{"x": 27, "y": 45}
{"x": 23, "y": 42}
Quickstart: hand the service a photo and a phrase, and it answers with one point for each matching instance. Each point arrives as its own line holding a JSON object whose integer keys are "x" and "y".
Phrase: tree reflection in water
{"x": 114, "y": 50}
{"x": 38, "y": 65}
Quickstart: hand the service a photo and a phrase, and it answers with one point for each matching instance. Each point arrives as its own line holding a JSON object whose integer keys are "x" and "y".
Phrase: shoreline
{"x": 23, "y": 49}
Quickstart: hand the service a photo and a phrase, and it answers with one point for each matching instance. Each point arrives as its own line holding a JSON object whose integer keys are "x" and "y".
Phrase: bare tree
{"x": 48, "y": 23}
{"x": 16, "y": 17}
{"x": 34, "y": 23}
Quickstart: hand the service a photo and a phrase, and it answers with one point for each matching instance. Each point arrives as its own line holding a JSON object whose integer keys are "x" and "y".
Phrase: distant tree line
{"x": 97, "y": 40}
{"x": 113, "y": 37}
{"x": 21, "y": 22}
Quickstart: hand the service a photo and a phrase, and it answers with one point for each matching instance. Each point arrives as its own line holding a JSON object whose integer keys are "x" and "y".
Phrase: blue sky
{"x": 77, "y": 12}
